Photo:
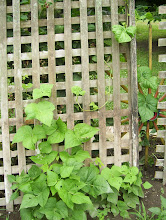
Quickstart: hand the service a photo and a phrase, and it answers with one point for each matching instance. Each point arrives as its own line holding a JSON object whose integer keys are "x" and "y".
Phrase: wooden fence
{"x": 162, "y": 106}
{"x": 64, "y": 65}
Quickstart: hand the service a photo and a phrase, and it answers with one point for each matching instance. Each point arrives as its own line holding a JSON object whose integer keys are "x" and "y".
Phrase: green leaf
{"x": 163, "y": 202}
{"x": 14, "y": 195}
{"x": 147, "y": 185}
{"x": 122, "y": 205}
{"x": 64, "y": 155}
{"x": 72, "y": 185}
{"x": 149, "y": 16}
{"x": 131, "y": 200}
{"x": 116, "y": 182}
{"x": 79, "y": 198}
{"x": 113, "y": 197}
{"x": 58, "y": 132}
{"x": 106, "y": 173}
{"x": 43, "y": 111}
{"x": 147, "y": 106}
{"x": 114, "y": 210}
{"x": 27, "y": 86}
{"x": 11, "y": 178}
{"x": 29, "y": 200}
{"x": 124, "y": 214}
{"x": 71, "y": 140}
{"x": 131, "y": 31}
{"x": 38, "y": 132}
{"x": 45, "y": 147}
{"x": 34, "y": 171}
{"x": 44, "y": 159}
{"x": 77, "y": 91}
{"x": 94, "y": 106}
{"x": 81, "y": 155}
{"x": 121, "y": 34}
{"x": 65, "y": 171}
{"x": 62, "y": 209}
{"x": 23, "y": 17}
{"x": 155, "y": 210}
{"x": 84, "y": 132}
{"x": 25, "y": 187}
{"x": 52, "y": 178}
{"x": 26, "y": 214}
{"x": 43, "y": 197}
{"x": 101, "y": 186}
{"x": 45, "y": 90}
{"x": 66, "y": 197}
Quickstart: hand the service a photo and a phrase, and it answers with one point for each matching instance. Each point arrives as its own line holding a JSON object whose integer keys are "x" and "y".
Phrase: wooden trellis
{"x": 162, "y": 105}
{"x": 109, "y": 143}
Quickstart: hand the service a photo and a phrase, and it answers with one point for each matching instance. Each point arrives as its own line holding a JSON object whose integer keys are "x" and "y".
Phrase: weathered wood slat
{"x": 161, "y": 133}
{"x": 51, "y": 54}
{"x": 161, "y": 105}
{"x": 162, "y": 9}
{"x": 162, "y": 42}
{"x": 162, "y": 88}
{"x": 162, "y": 74}
{"x": 18, "y": 81}
{"x": 116, "y": 85}
{"x": 85, "y": 84}
{"x": 4, "y": 108}
{"x": 68, "y": 63}
{"x": 101, "y": 80}
{"x": 158, "y": 175}
{"x": 161, "y": 121}
{"x": 162, "y": 58}
{"x": 160, "y": 148}
{"x": 162, "y": 25}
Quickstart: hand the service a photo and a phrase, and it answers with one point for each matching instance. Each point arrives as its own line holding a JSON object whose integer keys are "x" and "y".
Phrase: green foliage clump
{"x": 60, "y": 186}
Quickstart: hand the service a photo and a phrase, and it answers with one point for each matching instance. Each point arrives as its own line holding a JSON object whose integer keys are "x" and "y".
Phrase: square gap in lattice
{"x": 92, "y": 75}
{"x": 92, "y": 43}
{"x": 61, "y": 109}
{"x": 12, "y": 129}
{"x": 90, "y": 11}
{"x": 10, "y": 49}
{"x": 107, "y": 42}
{"x": 110, "y": 152}
{"x": 27, "y": 64}
{"x": 95, "y": 153}
{"x": 77, "y": 76}
{"x": 9, "y": 33}
{"x": 59, "y": 45}
{"x": 44, "y": 78}
{"x": 25, "y": 31}
{"x": 76, "y": 44}
{"x": 58, "y": 13}
{"x": 43, "y": 46}
{"x": 60, "y": 77}
{"x": 26, "y": 48}
{"x": 61, "y": 93}
{"x": 75, "y": 12}
{"x": 27, "y": 95}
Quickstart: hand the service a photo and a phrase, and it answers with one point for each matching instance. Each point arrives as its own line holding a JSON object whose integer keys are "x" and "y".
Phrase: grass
{"x": 142, "y": 46}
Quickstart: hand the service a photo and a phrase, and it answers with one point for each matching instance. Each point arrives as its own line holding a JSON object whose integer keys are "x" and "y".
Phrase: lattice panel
{"x": 162, "y": 106}
{"x": 71, "y": 44}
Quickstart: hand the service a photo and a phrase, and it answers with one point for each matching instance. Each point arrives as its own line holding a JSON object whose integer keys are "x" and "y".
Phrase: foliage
{"x": 62, "y": 187}
{"x": 147, "y": 104}
{"x": 160, "y": 212}
{"x": 123, "y": 34}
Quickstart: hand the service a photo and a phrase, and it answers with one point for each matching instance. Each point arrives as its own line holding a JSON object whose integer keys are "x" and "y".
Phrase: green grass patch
{"x": 142, "y": 46}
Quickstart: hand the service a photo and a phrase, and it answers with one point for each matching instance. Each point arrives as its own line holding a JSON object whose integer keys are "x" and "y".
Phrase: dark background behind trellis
{"x": 53, "y": 58}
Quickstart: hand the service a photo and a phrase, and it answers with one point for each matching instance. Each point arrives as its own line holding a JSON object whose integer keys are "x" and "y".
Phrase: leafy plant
{"x": 123, "y": 34}
{"x": 62, "y": 187}
{"x": 160, "y": 212}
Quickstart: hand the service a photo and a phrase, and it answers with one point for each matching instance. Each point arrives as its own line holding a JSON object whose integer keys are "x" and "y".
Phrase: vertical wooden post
{"x": 134, "y": 86}
{"x": 116, "y": 86}
{"x": 4, "y": 108}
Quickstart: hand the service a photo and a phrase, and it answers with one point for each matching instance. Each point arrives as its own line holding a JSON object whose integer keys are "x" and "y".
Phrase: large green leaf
{"x": 146, "y": 106}
{"x": 66, "y": 197}
{"x": 146, "y": 79}
{"x": 43, "y": 111}
{"x": 115, "y": 182}
{"x": 34, "y": 171}
{"x": 81, "y": 155}
{"x": 80, "y": 198}
{"x": 26, "y": 214}
{"x": 43, "y": 197}
{"x": 52, "y": 178}
{"x": 131, "y": 200}
{"x": 29, "y": 137}
{"x": 45, "y": 147}
{"x": 45, "y": 90}
{"x": 29, "y": 200}
{"x": 123, "y": 34}
{"x": 44, "y": 159}
{"x": 65, "y": 171}
{"x": 71, "y": 140}
{"x": 62, "y": 209}
{"x": 57, "y": 132}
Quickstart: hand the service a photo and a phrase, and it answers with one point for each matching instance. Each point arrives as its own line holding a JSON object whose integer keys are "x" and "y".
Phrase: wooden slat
{"x": 162, "y": 25}
{"x": 162, "y": 9}
{"x": 161, "y": 121}
{"x": 164, "y": 172}
{"x": 161, "y": 105}
{"x": 159, "y": 162}
{"x": 162, "y": 88}
{"x": 116, "y": 86}
{"x": 162, "y": 42}
{"x": 18, "y": 80}
{"x": 158, "y": 175}
{"x": 101, "y": 80}
{"x": 4, "y": 107}
{"x": 162, "y": 74}
{"x": 85, "y": 84}
{"x": 162, "y": 58}
{"x": 51, "y": 53}
{"x": 161, "y": 133}
{"x": 160, "y": 148}
{"x": 68, "y": 63}
{"x": 35, "y": 45}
